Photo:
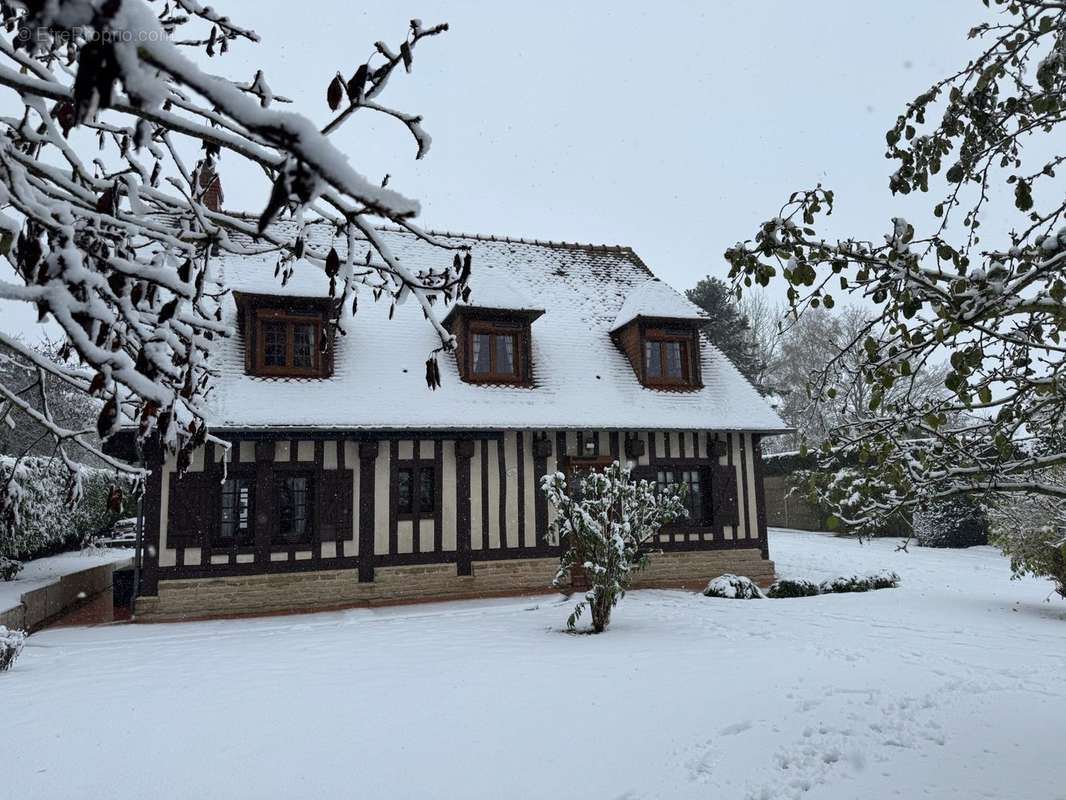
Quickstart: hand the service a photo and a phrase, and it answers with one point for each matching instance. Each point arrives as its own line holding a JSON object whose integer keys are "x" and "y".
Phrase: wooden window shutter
{"x": 335, "y": 504}
{"x": 724, "y": 488}
{"x": 191, "y": 509}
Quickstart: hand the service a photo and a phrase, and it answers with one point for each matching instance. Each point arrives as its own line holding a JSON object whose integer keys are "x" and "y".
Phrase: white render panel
{"x": 477, "y": 541}
{"x": 329, "y": 454}
{"x": 510, "y": 453}
{"x": 448, "y": 496}
{"x": 381, "y": 500}
{"x": 494, "y": 495}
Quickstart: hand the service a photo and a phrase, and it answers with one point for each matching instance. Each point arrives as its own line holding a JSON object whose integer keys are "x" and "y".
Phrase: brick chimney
{"x": 211, "y": 187}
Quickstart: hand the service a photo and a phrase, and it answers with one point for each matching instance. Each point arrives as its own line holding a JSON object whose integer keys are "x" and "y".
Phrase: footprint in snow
{"x": 735, "y": 728}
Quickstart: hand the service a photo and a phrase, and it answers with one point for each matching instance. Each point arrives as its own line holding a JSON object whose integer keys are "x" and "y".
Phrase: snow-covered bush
{"x": 792, "y": 588}
{"x": 1039, "y": 551}
{"x": 955, "y": 522}
{"x": 51, "y": 513}
{"x": 1030, "y": 529}
{"x": 856, "y": 583}
{"x": 733, "y": 587}
{"x": 883, "y": 580}
{"x": 603, "y": 526}
{"x": 9, "y": 568}
{"x": 10, "y": 646}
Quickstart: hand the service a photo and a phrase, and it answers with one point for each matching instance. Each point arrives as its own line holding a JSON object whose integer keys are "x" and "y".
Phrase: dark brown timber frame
{"x": 202, "y": 490}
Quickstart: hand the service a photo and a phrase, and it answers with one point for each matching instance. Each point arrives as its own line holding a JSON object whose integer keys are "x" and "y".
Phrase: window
{"x": 666, "y": 359}
{"x": 416, "y": 490}
{"x": 494, "y": 352}
{"x": 236, "y": 524}
{"x": 294, "y": 509}
{"x": 287, "y": 343}
{"x": 696, "y": 499}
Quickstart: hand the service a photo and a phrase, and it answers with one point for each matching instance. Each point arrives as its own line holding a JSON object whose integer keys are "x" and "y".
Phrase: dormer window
{"x": 495, "y": 351}
{"x": 288, "y": 343}
{"x": 667, "y": 359}
{"x": 285, "y": 337}
{"x": 658, "y": 330}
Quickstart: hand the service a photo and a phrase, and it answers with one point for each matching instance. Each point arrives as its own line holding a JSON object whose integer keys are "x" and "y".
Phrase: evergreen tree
{"x": 727, "y": 327}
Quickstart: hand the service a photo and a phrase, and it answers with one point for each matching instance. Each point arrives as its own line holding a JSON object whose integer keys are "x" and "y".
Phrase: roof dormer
{"x": 493, "y": 329}
{"x": 658, "y": 330}
{"x": 285, "y": 337}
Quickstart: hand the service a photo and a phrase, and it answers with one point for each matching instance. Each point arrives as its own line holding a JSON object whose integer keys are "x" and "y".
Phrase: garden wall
{"x": 43, "y": 604}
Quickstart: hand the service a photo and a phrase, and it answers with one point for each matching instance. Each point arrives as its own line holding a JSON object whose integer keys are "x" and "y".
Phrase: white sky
{"x": 673, "y": 127}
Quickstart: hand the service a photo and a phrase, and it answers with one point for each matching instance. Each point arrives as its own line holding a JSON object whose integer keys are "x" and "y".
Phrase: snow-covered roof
{"x": 653, "y": 298}
{"x": 494, "y": 288}
{"x": 581, "y": 379}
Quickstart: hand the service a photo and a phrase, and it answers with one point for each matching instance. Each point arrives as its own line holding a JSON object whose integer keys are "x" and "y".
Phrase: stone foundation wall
{"x": 308, "y": 591}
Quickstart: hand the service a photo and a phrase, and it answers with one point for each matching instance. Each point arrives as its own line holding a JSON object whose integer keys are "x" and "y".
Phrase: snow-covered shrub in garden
{"x": 45, "y": 518}
{"x": 857, "y": 583}
{"x": 792, "y": 588}
{"x": 10, "y": 646}
{"x": 9, "y": 568}
{"x": 1031, "y": 531}
{"x": 733, "y": 587}
{"x": 603, "y": 527}
{"x": 955, "y": 522}
{"x": 1039, "y": 550}
{"x": 885, "y": 579}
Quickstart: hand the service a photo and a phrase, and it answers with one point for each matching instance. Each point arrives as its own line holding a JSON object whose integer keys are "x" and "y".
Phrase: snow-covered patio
{"x": 950, "y": 686}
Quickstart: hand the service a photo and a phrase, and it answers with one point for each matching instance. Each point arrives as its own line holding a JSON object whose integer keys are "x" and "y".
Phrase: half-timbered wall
{"x": 489, "y": 505}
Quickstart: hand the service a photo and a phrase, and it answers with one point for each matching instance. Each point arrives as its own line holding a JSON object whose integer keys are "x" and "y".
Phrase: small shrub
{"x": 733, "y": 587}
{"x": 788, "y": 588}
{"x": 10, "y": 646}
{"x": 844, "y": 584}
{"x": 855, "y": 583}
{"x": 883, "y": 580}
{"x": 9, "y": 568}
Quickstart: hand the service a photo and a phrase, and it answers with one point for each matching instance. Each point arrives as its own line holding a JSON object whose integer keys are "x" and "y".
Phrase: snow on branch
{"x": 111, "y": 228}
{"x": 988, "y": 319}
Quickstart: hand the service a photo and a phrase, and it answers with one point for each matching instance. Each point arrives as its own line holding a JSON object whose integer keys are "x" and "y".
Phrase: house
{"x": 348, "y": 480}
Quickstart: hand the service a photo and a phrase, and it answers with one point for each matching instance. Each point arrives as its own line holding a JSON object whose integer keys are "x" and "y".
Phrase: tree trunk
{"x": 601, "y": 611}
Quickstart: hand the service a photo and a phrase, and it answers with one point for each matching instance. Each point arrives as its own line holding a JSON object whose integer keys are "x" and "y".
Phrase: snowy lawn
{"x": 43, "y": 571}
{"x": 952, "y": 686}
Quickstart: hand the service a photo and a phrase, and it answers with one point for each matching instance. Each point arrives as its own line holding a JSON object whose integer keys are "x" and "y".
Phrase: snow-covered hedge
{"x": 793, "y": 588}
{"x": 733, "y": 587}
{"x": 956, "y": 522}
{"x": 10, "y": 646}
{"x": 856, "y": 583}
{"x": 46, "y": 521}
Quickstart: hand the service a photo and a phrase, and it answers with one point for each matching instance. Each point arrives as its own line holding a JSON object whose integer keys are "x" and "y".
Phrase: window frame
{"x": 277, "y": 538}
{"x": 496, "y": 328}
{"x": 416, "y": 466}
{"x": 705, "y": 474}
{"x": 661, "y": 338}
{"x": 247, "y": 540}
{"x": 290, "y": 319}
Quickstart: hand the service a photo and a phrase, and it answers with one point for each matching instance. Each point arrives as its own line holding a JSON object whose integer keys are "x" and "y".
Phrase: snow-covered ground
{"x": 952, "y": 686}
{"x": 43, "y": 571}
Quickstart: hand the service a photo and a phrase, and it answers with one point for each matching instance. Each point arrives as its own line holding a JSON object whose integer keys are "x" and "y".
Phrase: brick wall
{"x": 308, "y": 591}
